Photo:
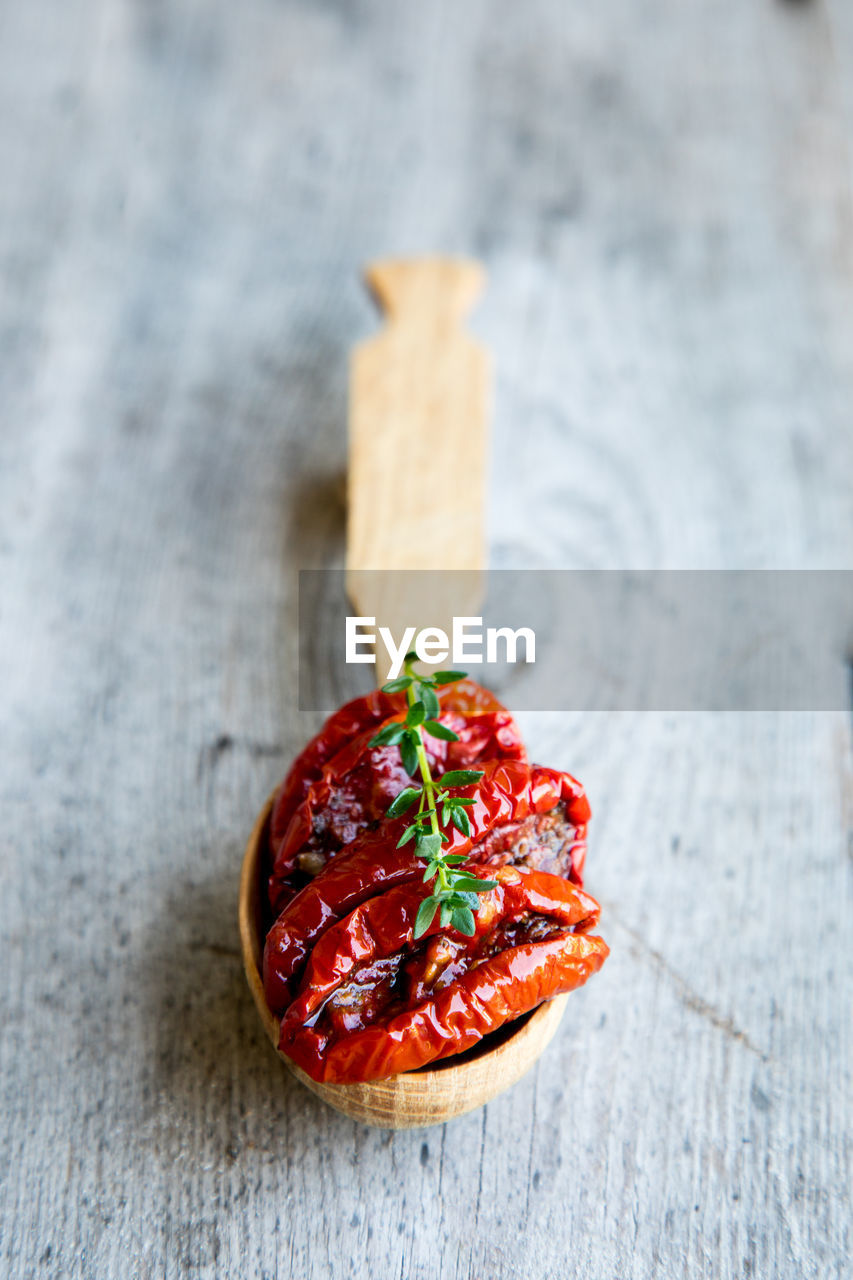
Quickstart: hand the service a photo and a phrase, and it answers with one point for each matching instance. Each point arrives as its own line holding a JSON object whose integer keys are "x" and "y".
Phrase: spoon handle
{"x": 419, "y": 393}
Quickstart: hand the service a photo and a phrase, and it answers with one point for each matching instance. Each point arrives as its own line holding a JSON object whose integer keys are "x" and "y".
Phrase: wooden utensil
{"x": 419, "y": 401}
{"x": 419, "y": 396}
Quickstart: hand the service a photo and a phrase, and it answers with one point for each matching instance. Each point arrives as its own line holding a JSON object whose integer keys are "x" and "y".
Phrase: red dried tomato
{"x": 373, "y": 1002}
{"x": 358, "y": 783}
{"x": 507, "y": 792}
{"x": 466, "y": 698}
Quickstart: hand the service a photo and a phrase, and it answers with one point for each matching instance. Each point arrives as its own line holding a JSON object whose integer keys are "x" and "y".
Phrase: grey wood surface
{"x": 662, "y": 196}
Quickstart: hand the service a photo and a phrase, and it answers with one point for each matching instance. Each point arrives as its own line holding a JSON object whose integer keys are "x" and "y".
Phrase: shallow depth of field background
{"x": 661, "y": 194}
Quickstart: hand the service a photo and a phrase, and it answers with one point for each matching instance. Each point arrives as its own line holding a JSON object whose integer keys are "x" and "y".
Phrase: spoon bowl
{"x": 413, "y": 1099}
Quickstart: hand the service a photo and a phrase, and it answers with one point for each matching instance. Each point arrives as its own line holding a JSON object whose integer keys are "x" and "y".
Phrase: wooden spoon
{"x": 419, "y": 392}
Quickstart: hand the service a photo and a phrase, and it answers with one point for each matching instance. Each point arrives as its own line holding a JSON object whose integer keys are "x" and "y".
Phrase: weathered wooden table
{"x": 662, "y": 196}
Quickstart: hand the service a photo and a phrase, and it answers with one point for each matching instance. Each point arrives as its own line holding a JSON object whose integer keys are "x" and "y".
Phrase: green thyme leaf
{"x": 430, "y": 701}
{"x": 415, "y": 715}
{"x": 460, "y": 778}
{"x": 425, "y": 916}
{"x": 408, "y": 751}
{"x": 398, "y": 685}
{"x": 409, "y": 834}
{"x": 463, "y": 920}
{"x": 448, "y": 677}
{"x": 403, "y": 801}
{"x": 437, "y": 730}
{"x": 455, "y": 859}
{"x": 389, "y": 736}
{"x": 428, "y": 846}
{"x": 460, "y": 820}
{"x": 470, "y": 884}
{"x": 431, "y": 872}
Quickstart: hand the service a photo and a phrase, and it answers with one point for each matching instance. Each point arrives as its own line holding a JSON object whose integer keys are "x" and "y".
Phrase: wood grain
{"x": 661, "y": 196}
{"x": 419, "y": 393}
{"x": 417, "y": 432}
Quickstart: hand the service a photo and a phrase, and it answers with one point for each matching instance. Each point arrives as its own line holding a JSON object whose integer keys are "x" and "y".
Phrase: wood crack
{"x": 687, "y": 994}
{"x": 211, "y": 754}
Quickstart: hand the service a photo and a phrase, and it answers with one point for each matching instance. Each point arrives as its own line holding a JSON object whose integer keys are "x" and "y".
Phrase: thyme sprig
{"x": 455, "y": 892}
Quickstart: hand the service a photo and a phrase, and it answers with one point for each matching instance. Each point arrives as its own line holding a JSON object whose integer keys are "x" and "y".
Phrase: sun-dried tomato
{"x": 373, "y": 1002}
{"x": 508, "y": 791}
{"x": 358, "y": 783}
{"x": 465, "y": 697}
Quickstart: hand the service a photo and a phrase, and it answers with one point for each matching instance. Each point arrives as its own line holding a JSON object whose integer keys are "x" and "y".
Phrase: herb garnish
{"x": 455, "y": 892}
